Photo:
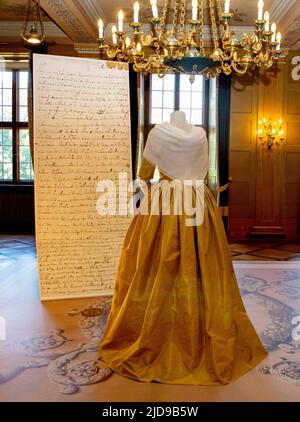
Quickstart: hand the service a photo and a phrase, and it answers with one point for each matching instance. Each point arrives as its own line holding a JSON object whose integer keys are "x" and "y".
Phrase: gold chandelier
{"x": 184, "y": 37}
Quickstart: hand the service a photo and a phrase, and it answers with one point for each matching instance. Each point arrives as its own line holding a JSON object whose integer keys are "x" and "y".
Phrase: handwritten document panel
{"x": 81, "y": 136}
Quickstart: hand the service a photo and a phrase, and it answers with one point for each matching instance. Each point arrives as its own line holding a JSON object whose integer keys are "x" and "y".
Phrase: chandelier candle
{"x": 227, "y": 7}
{"x": 278, "y": 39}
{"x": 136, "y": 9}
{"x": 114, "y": 34}
{"x": 194, "y": 9}
{"x": 260, "y": 10}
{"x": 100, "y": 27}
{"x": 273, "y": 29}
{"x": 154, "y": 9}
{"x": 267, "y": 21}
{"x": 121, "y": 18}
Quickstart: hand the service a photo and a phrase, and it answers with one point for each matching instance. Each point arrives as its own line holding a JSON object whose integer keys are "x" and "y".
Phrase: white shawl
{"x": 178, "y": 153}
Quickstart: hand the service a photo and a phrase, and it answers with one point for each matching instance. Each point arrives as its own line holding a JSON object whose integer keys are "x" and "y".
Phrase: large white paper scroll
{"x": 81, "y": 136}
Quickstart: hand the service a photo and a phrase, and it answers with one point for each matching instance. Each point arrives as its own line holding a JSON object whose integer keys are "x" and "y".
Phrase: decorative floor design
{"x": 52, "y": 347}
{"x": 257, "y": 250}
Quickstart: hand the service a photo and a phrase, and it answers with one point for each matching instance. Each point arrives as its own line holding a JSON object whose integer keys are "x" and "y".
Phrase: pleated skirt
{"x": 177, "y": 316}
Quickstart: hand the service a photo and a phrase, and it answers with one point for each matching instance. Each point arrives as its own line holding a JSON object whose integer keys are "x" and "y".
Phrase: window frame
{"x": 147, "y": 95}
{"x": 15, "y": 126}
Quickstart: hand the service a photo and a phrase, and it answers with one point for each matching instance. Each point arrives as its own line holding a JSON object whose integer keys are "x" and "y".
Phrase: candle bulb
{"x": 154, "y": 9}
{"x": 273, "y": 29}
{"x": 127, "y": 42}
{"x": 100, "y": 27}
{"x": 194, "y": 9}
{"x": 120, "y": 17}
{"x": 138, "y": 47}
{"x": 260, "y": 9}
{"x": 278, "y": 39}
{"x": 267, "y": 21}
{"x": 227, "y": 7}
{"x": 114, "y": 35}
{"x": 136, "y": 9}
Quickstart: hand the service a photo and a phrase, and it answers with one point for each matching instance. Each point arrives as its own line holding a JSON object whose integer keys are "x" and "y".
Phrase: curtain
{"x": 224, "y": 93}
{"x": 213, "y": 172}
{"x": 41, "y": 49}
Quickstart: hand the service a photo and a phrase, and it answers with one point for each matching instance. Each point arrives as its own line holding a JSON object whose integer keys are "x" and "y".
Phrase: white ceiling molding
{"x": 89, "y": 49}
{"x": 15, "y": 28}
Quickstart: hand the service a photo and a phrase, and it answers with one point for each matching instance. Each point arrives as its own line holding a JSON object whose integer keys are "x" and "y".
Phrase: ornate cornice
{"x": 61, "y": 13}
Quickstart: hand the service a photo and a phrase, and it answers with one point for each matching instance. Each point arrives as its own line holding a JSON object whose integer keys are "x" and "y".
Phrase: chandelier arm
{"x": 241, "y": 69}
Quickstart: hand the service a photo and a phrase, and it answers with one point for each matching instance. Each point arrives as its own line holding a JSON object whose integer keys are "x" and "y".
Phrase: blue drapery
{"x": 224, "y": 134}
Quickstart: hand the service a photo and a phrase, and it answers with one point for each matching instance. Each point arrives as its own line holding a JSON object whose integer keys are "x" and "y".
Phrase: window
{"x": 15, "y": 157}
{"x": 162, "y": 98}
{"x": 176, "y": 92}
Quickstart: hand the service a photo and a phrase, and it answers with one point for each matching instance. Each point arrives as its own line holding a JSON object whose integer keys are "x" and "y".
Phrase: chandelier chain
{"x": 200, "y": 27}
{"x": 220, "y": 21}
{"x": 214, "y": 23}
{"x": 175, "y": 17}
{"x": 164, "y": 14}
{"x": 182, "y": 18}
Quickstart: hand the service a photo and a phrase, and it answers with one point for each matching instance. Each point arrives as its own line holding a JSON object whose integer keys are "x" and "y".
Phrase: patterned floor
{"x": 272, "y": 250}
{"x": 50, "y": 353}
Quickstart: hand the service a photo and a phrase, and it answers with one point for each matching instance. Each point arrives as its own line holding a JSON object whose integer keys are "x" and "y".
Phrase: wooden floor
{"x": 50, "y": 350}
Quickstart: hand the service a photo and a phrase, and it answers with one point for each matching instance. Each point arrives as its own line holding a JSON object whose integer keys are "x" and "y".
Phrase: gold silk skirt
{"x": 177, "y": 316}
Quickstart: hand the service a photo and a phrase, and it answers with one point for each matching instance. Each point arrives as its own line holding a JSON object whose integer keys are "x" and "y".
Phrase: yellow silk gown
{"x": 177, "y": 316}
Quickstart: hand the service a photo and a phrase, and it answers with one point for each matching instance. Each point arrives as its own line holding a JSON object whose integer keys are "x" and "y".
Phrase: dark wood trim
{"x": 147, "y": 90}
{"x": 10, "y": 187}
{"x": 206, "y": 105}
{"x": 177, "y": 88}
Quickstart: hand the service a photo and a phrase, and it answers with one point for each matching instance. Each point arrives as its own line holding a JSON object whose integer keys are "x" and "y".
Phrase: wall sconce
{"x": 270, "y": 132}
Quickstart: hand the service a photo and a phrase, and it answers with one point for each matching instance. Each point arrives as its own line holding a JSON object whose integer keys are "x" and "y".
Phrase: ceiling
{"x": 75, "y": 21}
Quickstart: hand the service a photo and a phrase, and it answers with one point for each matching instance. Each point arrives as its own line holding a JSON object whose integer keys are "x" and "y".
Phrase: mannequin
{"x": 178, "y": 119}
{"x": 177, "y": 316}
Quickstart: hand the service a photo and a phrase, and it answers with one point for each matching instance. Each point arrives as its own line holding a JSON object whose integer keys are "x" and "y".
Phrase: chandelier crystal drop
{"x": 174, "y": 37}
